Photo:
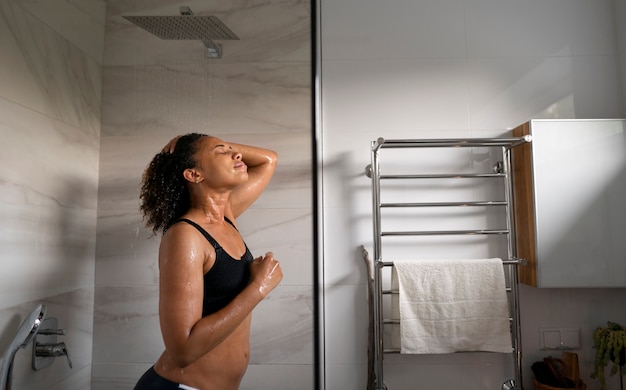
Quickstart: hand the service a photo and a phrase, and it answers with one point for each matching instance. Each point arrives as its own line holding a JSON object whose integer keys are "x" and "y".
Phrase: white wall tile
{"x": 517, "y": 61}
{"x": 403, "y": 95}
{"x": 346, "y": 376}
{"x": 539, "y": 28}
{"x": 507, "y": 91}
{"x": 378, "y": 30}
{"x": 345, "y": 328}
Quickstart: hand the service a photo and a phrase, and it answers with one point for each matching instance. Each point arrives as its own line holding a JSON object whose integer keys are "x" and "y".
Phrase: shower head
{"x": 188, "y": 27}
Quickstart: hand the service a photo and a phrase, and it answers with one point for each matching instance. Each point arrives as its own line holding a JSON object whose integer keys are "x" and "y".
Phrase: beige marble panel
{"x": 116, "y": 376}
{"x": 127, "y": 253}
{"x": 48, "y": 197}
{"x": 257, "y": 377}
{"x": 278, "y": 377}
{"x": 282, "y": 327}
{"x": 126, "y": 326}
{"x": 288, "y": 233}
{"x": 195, "y": 96}
{"x": 124, "y": 158}
{"x": 74, "y": 312}
{"x": 47, "y": 73}
{"x": 79, "y": 380}
{"x": 79, "y": 21}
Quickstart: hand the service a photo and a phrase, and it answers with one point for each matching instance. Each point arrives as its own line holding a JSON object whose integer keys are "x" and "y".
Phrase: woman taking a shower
{"x": 209, "y": 282}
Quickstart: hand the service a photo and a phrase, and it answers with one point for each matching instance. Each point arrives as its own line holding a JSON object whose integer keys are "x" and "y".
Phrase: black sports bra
{"x": 228, "y": 276}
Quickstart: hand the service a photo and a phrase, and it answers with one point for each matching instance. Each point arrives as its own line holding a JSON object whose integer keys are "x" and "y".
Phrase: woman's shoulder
{"x": 182, "y": 236}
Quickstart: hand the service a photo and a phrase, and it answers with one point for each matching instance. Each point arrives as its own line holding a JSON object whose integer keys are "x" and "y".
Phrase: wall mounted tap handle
{"x": 58, "y": 332}
{"x": 53, "y": 350}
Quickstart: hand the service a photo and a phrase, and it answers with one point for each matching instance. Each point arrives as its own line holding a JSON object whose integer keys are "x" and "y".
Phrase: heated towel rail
{"x": 501, "y": 170}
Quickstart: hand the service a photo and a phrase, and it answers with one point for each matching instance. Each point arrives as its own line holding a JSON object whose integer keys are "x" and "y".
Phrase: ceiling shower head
{"x": 188, "y": 27}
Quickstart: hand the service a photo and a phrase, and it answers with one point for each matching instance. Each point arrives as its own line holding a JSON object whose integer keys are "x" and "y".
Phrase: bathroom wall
{"x": 50, "y": 88}
{"x": 452, "y": 69}
{"x": 619, "y": 17}
{"x": 258, "y": 93}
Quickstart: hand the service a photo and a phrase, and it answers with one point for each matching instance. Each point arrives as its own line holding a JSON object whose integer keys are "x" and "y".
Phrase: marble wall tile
{"x": 46, "y": 72}
{"x": 286, "y": 338}
{"x": 288, "y": 234}
{"x": 128, "y": 316}
{"x": 50, "y": 124}
{"x": 79, "y": 21}
{"x": 74, "y": 312}
{"x": 257, "y": 377}
{"x": 213, "y": 98}
{"x": 283, "y": 34}
{"x": 258, "y": 93}
{"x": 128, "y": 253}
{"x": 278, "y": 377}
{"x": 126, "y": 325}
{"x": 79, "y": 380}
{"x": 124, "y": 158}
{"x": 48, "y": 205}
{"x": 116, "y": 376}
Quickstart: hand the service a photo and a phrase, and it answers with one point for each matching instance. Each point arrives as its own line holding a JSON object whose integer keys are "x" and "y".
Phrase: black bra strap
{"x": 204, "y": 232}
{"x": 230, "y": 222}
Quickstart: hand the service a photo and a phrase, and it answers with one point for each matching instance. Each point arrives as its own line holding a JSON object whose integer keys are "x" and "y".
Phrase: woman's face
{"x": 220, "y": 164}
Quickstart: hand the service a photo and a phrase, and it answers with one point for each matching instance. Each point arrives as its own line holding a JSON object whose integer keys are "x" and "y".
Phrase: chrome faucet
{"x": 52, "y": 351}
{"x": 45, "y": 346}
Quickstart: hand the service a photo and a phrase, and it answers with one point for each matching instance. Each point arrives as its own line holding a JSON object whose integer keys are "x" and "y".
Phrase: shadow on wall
{"x": 62, "y": 251}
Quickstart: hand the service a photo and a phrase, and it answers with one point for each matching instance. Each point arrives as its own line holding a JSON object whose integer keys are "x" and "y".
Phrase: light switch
{"x": 570, "y": 338}
{"x": 550, "y": 338}
{"x": 559, "y": 338}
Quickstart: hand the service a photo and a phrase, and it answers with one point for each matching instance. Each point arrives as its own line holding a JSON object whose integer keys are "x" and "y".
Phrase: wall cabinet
{"x": 570, "y": 203}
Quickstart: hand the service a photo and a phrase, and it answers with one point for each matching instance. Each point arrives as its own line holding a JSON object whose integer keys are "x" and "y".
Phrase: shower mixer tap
{"x": 45, "y": 346}
{"x": 52, "y": 351}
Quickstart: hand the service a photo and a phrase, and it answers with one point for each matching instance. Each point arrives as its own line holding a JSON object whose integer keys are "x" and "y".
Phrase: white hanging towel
{"x": 449, "y": 306}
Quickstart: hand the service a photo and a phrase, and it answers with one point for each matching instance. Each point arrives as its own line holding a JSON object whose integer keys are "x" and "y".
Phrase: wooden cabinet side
{"x": 523, "y": 207}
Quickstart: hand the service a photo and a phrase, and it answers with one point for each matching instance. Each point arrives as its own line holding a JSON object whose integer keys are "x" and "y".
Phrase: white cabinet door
{"x": 578, "y": 193}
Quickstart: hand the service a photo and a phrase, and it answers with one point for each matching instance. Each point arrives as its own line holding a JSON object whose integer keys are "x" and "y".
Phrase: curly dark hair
{"x": 164, "y": 195}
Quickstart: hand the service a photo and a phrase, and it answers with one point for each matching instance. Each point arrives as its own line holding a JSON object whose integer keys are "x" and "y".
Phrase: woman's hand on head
{"x": 266, "y": 273}
{"x": 171, "y": 145}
